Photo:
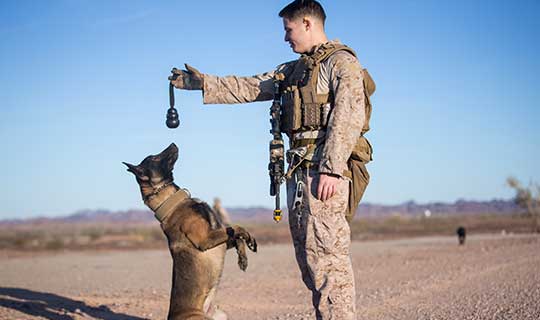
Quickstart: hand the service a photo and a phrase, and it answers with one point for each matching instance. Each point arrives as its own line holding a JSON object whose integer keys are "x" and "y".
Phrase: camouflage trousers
{"x": 321, "y": 237}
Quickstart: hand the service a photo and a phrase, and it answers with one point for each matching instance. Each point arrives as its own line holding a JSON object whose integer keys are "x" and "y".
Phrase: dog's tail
{"x": 222, "y": 214}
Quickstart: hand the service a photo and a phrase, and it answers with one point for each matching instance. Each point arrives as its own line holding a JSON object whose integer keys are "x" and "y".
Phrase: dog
{"x": 198, "y": 238}
{"x": 462, "y": 234}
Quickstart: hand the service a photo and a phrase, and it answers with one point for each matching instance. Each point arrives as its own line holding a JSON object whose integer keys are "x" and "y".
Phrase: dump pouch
{"x": 359, "y": 175}
{"x": 362, "y": 150}
{"x": 369, "y": 89}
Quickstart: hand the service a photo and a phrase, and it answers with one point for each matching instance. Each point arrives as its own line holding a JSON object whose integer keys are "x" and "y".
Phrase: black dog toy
{"x": 172, "y": 114}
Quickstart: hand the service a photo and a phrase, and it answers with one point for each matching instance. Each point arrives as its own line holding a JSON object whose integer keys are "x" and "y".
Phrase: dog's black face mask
{"x": 156, "y": 169}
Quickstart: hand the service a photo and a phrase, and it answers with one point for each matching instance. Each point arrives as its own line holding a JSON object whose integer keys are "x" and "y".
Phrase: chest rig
{"x": 303, "y": 109}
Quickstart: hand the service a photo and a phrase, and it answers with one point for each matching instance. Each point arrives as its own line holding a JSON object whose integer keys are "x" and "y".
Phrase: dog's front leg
{"x": 240, "y": 246}
{"x": 209, "y": 240}
{"x": 204, "y": 238}
{"x": 199, "y": 232}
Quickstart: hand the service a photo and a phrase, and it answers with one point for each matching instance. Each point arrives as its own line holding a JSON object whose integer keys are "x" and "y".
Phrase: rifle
{"x": 276, "y": 167}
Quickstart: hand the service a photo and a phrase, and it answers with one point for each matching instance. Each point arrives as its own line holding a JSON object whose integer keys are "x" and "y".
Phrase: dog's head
{"x": 157, "y": 169}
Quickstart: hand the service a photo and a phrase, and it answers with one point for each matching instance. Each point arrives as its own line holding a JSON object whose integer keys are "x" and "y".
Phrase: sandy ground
{"x": 491, "y": 277}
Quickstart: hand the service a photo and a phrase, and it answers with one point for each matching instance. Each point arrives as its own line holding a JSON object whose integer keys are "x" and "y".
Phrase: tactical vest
{"x": 303, "y": 109}
{"x": 305, "y": 113}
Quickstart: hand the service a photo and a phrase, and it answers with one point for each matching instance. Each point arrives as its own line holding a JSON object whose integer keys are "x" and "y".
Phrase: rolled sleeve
{"x": 233, "y": 89}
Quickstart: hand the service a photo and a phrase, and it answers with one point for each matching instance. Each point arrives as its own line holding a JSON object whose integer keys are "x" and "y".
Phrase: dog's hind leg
{"x": 211, "y": 310}
{"x": 218, "y": 314}
{"x": 188, "y": 315}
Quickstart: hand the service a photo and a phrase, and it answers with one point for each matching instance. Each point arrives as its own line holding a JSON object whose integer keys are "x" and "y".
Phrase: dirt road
{"x": 491, "y": 277}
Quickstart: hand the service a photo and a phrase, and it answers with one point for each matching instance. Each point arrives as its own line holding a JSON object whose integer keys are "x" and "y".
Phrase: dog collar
{"x": 156, "y": 191}
{"x": 170, "y": 204}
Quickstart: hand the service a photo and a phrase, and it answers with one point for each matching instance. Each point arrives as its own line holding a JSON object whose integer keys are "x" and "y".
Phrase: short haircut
{"x": 302, "y": 8}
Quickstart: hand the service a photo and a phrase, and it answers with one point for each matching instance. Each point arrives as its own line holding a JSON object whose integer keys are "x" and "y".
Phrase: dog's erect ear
{"x": 131, "y": 168}
{"x": 136, "y": 170}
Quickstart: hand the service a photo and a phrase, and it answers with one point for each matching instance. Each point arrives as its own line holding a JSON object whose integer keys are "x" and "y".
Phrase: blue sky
{"x": 83, "y": 87}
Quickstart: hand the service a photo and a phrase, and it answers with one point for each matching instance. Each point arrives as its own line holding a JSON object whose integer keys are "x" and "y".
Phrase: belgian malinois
{"x": 198, "y": 238}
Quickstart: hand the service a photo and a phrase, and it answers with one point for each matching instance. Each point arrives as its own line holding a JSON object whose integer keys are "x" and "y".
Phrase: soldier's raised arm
{"x": 228, "y": 89}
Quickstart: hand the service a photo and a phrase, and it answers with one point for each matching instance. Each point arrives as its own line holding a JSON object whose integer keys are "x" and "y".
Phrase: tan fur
{"x": 198, "y": 238}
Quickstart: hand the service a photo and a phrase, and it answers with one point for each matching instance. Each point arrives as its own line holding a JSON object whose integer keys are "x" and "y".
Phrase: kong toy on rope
{"x": 172, "y": 114}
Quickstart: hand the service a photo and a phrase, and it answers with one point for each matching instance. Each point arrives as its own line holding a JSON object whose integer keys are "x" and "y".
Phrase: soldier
{"x": 325, "y": 112}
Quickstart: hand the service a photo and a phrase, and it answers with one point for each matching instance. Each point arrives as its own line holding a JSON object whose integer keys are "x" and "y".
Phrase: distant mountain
{"x": 260, "y": 214}
{"x": 412, "y": 208}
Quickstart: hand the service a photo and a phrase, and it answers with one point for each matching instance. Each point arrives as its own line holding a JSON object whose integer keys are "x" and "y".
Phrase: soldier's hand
{"x": 327, "y": 186}
{"x": 189, "y": 79}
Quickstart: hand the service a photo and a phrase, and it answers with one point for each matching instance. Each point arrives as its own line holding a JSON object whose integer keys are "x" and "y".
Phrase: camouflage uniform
{"x": 320, "y": 232}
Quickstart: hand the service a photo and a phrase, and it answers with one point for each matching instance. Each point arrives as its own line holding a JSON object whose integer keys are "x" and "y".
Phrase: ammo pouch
{"x": 291, "y": 115}
{"x": 359, "y": 175}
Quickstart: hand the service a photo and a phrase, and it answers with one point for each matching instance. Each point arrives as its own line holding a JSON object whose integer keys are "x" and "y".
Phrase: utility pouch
{"x": 312, "y": 115}
{"x": 290, "y": 114}
{"x": 359, "y": 175}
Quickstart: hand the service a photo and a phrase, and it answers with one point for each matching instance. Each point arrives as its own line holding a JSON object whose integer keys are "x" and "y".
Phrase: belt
{"x": 314, "y": 134}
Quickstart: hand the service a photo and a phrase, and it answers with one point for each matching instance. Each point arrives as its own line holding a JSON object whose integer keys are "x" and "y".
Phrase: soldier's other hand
{"x": 189, "y": 79}
{"x": 327, "y": 186}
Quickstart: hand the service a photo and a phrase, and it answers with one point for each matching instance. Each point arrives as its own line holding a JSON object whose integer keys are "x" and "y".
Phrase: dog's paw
{"x": 242, "y": 234}
{"x": 252, "y": 244}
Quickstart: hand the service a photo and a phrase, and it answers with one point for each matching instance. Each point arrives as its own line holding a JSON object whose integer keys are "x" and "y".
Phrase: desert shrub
{"x": 56, "y": 243}
{"x": 528, "y": 198}
{"x": 94, "y": 234}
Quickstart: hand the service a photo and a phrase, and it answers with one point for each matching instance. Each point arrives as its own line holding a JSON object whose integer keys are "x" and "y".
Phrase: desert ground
{"x": 491, "y": 277}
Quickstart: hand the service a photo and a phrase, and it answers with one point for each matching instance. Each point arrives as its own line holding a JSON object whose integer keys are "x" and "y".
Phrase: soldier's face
{"x": 297, "y": 35}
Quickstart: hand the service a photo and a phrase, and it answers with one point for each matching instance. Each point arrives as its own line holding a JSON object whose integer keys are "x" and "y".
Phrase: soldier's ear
{"x": 137, "y": 171}
{"x": 307, "y": 23}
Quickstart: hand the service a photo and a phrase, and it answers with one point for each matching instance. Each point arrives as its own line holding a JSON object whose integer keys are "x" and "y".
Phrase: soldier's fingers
{"x": 179, "y": 83}
{"x": 190, "y": 69}
{"x": 329, "y": 192}
{"x": 324, "y": 194}
{"x": 332, "y": 191}
{"x": 319, "y": 190}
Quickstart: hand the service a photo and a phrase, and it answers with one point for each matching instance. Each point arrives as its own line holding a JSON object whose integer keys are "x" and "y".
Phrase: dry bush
{"x": 529, "y": 199}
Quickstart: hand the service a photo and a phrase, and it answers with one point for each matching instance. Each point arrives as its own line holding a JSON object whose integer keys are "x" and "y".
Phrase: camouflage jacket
{"x": 340, "y": 74}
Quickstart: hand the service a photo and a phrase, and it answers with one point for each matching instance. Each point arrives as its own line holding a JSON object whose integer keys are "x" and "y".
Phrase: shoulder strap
{"x": 320, "y": 55}
{"x": 327, "y": 49}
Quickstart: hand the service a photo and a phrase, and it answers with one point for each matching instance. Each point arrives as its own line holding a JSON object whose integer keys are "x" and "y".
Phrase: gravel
{"x": 490, "y": 277}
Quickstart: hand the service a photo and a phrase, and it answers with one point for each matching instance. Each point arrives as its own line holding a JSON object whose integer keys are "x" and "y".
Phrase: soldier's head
{"x": 303, "y": 21}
